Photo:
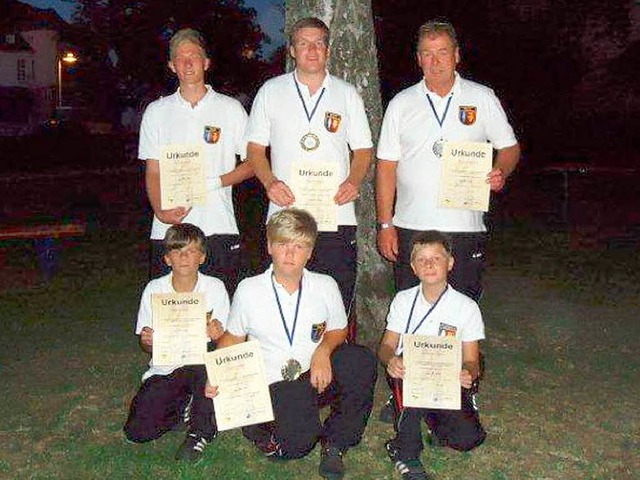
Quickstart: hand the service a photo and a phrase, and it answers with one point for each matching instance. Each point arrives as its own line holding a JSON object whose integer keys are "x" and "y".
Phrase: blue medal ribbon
{"x": 291, "y": 334}
{"x": 413, "y": 305}
{"x": 433, "y": 109}
{"x": 304, "y": 104}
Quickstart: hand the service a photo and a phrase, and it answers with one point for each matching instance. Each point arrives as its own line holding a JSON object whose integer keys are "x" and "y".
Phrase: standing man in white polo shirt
{"x": 443, "y": 106}
{"x": 299, "y": 320}
{"x": 197, "y": 115}
{"x": 311, "y": 116}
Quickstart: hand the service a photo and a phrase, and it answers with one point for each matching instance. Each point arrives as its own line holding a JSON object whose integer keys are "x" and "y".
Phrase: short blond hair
{"x": 292, "y": 225}
{"x": 187, "y": 35}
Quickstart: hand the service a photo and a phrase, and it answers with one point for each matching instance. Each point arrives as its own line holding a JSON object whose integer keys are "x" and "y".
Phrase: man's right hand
{"x": 173, "y": 216}
{"x": 388, "y": 243}
{"x": 280, "y": 193}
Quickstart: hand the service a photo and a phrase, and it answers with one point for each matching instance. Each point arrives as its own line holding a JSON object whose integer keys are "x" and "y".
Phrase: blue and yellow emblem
{"x": 446, "y": 330}
{"x": 467, "y": 114}
{"x": 332, "y": 121}
{"x": 212, "y": 134}
{"x": 317, "y": 330}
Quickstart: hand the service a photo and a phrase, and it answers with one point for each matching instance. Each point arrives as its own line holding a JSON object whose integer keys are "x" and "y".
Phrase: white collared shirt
{"x": 172, "y": 120}
{"x": 278, "y": 119}
{"x": 216, "y": 301}
{"x": 409, "y": 131}
{"x": 255, "y": 313}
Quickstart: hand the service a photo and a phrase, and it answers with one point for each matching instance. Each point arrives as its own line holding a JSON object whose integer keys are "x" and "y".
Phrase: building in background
{"x": 29, "y": 40}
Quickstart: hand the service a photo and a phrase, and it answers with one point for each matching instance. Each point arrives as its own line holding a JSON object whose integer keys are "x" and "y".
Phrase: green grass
{"x": 559, "y": 398}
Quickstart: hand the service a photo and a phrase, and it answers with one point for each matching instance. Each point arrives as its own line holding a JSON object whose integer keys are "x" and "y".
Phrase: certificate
{"x": 314, "y": 185}
{"x": 179, "y": 328}
{"x": 243, "y": 392}
{"x": 182, "y": 178}
{"x": 432, "y": 372}
{"x": 463, "y": 177}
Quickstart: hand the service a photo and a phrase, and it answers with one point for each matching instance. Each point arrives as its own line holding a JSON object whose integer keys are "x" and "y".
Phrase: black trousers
{"x": 336, "y": 254}
{"x": 457, "y": 429}
{"x": 223, "y": 260}
{"x": 466, "y": 275}
{"x": 296, "y": 407}
{"x": 160, "y": 401}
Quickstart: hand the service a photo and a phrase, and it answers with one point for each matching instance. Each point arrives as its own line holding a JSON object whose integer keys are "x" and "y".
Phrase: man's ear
{"x": 208, "y": 63}
{"x": 171, "y": 66}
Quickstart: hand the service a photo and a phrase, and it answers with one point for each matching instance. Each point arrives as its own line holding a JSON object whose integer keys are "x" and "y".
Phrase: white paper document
{"x": 182, "y": 176}
{"x": 432, "y": 372}
{"x": 179, "y": 328}
{"x": 463, "y": 176}
{"x": 243, "y": 392}
{"x": 314, "y": 184}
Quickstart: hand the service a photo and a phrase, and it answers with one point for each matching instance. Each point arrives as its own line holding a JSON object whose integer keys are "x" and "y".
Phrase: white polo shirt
{"x": 216, "y": 299}
{"x": 172, "y": 120}
{"x": 454, "y": 315}
{"x": 278, "y": 119}
{"x": 255, "y": 313}
{"x": 409, "y": 131}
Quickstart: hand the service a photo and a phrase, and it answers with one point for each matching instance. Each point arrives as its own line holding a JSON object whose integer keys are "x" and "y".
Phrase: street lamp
{"x": 69, "y": 58}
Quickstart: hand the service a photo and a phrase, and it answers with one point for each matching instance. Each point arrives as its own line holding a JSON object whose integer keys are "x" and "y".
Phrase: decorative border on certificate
{"x": 314, "y": 184}
{"x": 179, "y": 328}
{"x": 463, "y": 175}
{"x": 432, "y": 372}
{"x": 243, "y": 392}
{"x": 182, "y": 176}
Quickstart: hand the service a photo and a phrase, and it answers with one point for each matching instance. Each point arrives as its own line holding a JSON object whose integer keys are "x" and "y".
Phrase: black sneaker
{"x": 331, "y": 465}
{"x": 192, "y": 448}
{"x": 409, "y": 469}
{"x": 388, "y": 411}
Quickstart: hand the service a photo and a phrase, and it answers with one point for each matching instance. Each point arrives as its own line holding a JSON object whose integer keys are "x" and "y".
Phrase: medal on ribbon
{"x": 309, "y": 141}
{"x": 291, "y": 370}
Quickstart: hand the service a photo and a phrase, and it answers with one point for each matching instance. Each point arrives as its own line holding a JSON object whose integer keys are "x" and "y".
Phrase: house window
{"x": 22, "y": 70}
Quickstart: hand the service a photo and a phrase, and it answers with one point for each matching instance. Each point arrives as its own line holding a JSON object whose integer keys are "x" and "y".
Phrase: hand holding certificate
{"x": 182, "y": 177}
{"x": 432, "y": 375}
{"x": 314, "y": 184}
{"x": 179, "y": 328}
{"x": 463, "y": 177}
{"x": 243, "y": 393}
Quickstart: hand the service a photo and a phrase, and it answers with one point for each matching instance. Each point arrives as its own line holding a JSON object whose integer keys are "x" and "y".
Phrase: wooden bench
{"x": 44, "y": 238}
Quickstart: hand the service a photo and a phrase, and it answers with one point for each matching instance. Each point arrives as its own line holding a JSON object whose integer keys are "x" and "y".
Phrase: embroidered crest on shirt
{"x": 212, "y": 134}
{"x": 317, "y": 330}
{"x": 332, "y": 121}
{"x": 446, "y": 330}
{"x": 467, "y": 114}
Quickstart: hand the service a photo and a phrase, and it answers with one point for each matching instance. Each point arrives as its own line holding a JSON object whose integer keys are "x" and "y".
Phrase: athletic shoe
{"x": 388, "y": 411}
{"x": 192, "y": 448}
{"x": 409, "y": 469}
{"x": 331, "y": 466}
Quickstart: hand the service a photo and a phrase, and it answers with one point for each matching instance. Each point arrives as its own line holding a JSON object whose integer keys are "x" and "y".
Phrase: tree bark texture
{"x": 353, "y": 57}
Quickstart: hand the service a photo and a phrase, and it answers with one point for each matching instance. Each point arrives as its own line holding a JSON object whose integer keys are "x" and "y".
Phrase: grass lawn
{"x": 559, "y": 398}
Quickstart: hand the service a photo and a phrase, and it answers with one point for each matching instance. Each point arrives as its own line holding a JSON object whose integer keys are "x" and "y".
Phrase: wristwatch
{"x": 384, "y": 225}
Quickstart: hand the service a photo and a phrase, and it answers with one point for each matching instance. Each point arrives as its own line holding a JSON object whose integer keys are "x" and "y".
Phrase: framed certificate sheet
{"x": 314, "y": 185}
{"x": 243, "y": 392}
{"x": 182, "y": 178}
{"x": 463, "y": 176}
{"x": 179, "y": 328}
{"x": 432, "y": 372}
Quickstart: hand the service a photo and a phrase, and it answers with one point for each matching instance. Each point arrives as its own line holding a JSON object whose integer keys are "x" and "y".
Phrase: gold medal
{"x": 291, "y": 370}
{"x": 310, "y": 142}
